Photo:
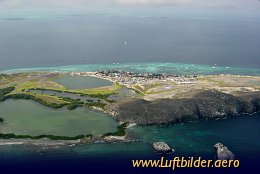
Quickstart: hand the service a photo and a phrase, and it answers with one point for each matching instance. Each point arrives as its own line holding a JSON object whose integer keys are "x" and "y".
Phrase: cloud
{"x": 193, "y": 3}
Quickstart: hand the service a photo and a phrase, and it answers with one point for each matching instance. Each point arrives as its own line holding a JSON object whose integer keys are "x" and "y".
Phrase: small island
{"x": 131, "y": 98}
{"x": 162, "y": 147}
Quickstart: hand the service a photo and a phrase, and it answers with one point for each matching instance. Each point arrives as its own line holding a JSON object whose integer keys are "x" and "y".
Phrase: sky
{"x": 73, "y": 3}
{"x": 243, "y": 8}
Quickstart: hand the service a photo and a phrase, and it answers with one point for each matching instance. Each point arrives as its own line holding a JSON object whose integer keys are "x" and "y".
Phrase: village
{"x": 129, "y": 78}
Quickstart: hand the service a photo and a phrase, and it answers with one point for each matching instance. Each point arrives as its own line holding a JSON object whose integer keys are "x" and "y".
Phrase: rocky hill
{"x": 208, "y": 104}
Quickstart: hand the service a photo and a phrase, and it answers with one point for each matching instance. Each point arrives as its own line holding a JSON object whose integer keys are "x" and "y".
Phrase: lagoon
{"x": 79, "y": 82}
{"x": 25, "y": 117}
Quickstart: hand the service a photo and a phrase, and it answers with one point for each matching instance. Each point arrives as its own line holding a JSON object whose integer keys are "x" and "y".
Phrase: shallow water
{"x": 29, "y": 118}
{"x": 189, "y": 139}
{"x": 173, "y": 68}
{"x": 79, "y": 82}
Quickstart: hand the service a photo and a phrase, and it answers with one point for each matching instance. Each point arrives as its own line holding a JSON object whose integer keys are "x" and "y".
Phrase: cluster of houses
{"x": 123, "y": 77}
{"x": 127, "y": 78}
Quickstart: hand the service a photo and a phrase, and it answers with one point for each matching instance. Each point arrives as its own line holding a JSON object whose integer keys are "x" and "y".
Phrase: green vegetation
{"x": 102, "y": 92}
{"x": 120, "y": 130}
{"x": 37, "y": 83}
{"x": 22, "y": 91}
{"x": 51, "y": 137}
{"x": 31, "y": 97}
{"x": 5, "y": 91}
{"x": 73, "y": 104}
{"x": 5, "y": 78}
{"x": 1, "y": 120}
{"x": 98, "y": 104}
{"x": 70, "y": 103}
{"x": 101, "y": 96}
{"x": 97, "y": 95}
{"x": 45, "y": 89}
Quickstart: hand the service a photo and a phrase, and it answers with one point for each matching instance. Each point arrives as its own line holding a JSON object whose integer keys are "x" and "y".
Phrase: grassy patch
{"x": 120, "y": 131}
{"x": 99, "y": 91}
{"x": 39, "y": 100}
{"x": 5, "y": 91}
{"x": 102, "y": 92}
{"x": 49, "y": 98}
{"x": 38, "y": 84}
{"x": 73, "y": 104}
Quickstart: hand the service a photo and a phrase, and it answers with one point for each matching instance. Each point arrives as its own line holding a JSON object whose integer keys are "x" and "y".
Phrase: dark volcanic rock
{"x": 204, "y": 105}
{"x": 223, "y": 153}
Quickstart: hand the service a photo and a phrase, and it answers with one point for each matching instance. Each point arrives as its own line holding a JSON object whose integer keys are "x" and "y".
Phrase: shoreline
{"x": 45, "y": 142}
{"x": 42, "y": 142}
{"x": 111, "y": 138}
{"x": 193, "y": 101}
{"x": 182, "y": 68}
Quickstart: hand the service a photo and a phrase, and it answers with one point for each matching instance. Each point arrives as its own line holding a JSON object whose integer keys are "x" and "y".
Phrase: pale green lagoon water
{"x": 79, "y": 82}
{"x": 29, "y": 118}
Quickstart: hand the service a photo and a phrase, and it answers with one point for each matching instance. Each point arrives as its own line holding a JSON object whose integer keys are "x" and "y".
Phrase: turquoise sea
{"x": 173, "y": 68}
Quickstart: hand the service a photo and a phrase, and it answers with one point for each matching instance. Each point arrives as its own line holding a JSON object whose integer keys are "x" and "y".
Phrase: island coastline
{"x": 145, "y": 86}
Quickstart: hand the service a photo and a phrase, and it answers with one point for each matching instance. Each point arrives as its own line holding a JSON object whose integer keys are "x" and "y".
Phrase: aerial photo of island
{"x": 98, "y": 86}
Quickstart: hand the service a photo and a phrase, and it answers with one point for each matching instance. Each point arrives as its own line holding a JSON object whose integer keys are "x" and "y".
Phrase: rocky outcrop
{"x": 162, "y": 147}
{"x": 203, "y": 105}
{"x": 223, "y": 153}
